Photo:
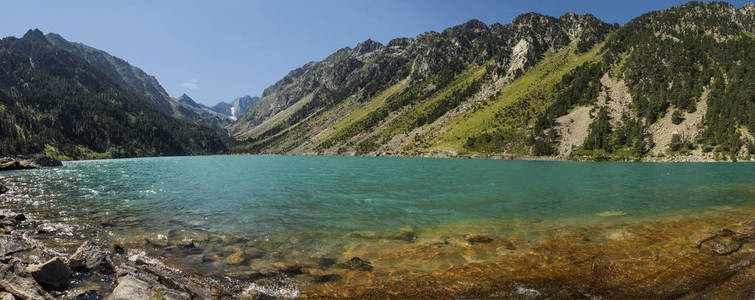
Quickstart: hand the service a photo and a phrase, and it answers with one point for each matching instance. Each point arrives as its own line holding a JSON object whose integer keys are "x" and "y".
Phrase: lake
{"x": 295, "y": 208}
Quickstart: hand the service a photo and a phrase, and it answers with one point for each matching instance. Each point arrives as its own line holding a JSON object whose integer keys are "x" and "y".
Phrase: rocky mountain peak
{"x": 185, "y": 99}
{"x": 746, "y": 16}
{"x": 367, "y": 46}
{"x": 475, "y": 25}
{"x": 532, "y": 19}
{"x": 35, "y": 35}
{"x": 399, "y": 42}
{"x": 470, "y": 30}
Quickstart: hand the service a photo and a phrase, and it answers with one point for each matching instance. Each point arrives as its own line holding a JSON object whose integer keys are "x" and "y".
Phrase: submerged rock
{"x": 726, "y": 241}
{"x": 748, "y": 227}
{"x": 90, "y": 257}
{"x": 54, "y": 273}
{"x": 325, "y": 262}
{"x": 612, "y": 213}
{"x": 323, "y": 278}
{"x": 288, "y": 267}
{"x": 356, "y": 263}
{"x": 20, "y": 217}
{"x": 157, "y": 243}
{"x": 474, "y": 238}
{"x": 408, "y": 236}
{"x": 236, "y": 258}
{"x": 16, "y": 280}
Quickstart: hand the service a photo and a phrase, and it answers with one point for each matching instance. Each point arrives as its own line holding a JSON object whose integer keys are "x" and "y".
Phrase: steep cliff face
{"x": 142, "y": 83}
{"x": 569, "y": 87}
{"x": 236, "y": 108}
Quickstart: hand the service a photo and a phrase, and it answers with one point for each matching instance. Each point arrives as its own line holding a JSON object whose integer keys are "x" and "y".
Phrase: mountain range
{"x": 236, "y": 108}
{"x": 674, "y": 84}
{"x": 57, "y": 102}
{"x": 671, "y": 84}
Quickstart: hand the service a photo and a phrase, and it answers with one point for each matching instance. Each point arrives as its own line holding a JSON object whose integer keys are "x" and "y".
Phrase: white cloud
{"x": 192, "y": 84}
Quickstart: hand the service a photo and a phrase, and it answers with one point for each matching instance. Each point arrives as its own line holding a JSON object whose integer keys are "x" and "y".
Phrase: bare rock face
{"x": 53, "y": 273}
{"x": 14, "y": 279}
{"x": 90, "y": 257}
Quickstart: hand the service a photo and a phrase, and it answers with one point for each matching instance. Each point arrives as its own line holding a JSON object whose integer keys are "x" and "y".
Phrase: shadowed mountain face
{"x": 142, "y": 83}
{"x": 57, "y": 102}
{"x": 673, "y": 83}
{"x": 237, "y": 107}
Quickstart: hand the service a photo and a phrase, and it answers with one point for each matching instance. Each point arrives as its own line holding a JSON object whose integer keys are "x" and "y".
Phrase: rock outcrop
{"x": 91, "y": 258}
{"x": 54, "y": 273}
{"x": 16, "y": 280}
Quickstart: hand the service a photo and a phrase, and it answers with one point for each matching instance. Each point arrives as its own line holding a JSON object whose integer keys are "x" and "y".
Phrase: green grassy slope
{"x": 514, "y": 105}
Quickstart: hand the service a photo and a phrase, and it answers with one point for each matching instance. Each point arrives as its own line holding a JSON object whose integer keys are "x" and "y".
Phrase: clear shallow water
{"x": 282, "y": 195}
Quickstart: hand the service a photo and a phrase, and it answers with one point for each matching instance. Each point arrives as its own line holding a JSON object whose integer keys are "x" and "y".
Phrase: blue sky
{"x": 219, "y": 50}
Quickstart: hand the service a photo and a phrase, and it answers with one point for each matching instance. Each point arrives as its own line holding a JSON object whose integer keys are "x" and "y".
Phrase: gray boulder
{"x": 131, "y": 288}
{"x": 16, "y": 280}
{"x": 135, "y": 284}
{"x": 161, "y": 282}
{"x": 53, "y": 273}
{"x": 10, "y": 244}
{"x": 90, "y": 257}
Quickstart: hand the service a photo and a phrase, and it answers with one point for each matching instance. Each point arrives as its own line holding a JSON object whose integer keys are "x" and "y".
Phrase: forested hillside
{"x": 142, "y": 83}
{"x": 55, "y": 102}
{"x": 672, "y": 84}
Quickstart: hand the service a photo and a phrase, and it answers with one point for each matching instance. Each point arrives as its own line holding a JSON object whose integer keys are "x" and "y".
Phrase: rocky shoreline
{"x": 31, "y": 269}
{"x": 21, "y": 162}
{"x": 35, "y": 264}
{"x": 507, "y": 156}
{"x": 678, "y": 258}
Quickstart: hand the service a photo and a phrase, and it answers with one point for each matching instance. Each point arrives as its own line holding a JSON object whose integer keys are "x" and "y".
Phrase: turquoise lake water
{"x": 261, "y": 195}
